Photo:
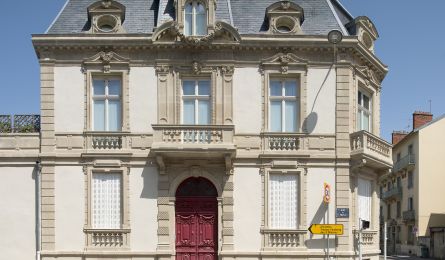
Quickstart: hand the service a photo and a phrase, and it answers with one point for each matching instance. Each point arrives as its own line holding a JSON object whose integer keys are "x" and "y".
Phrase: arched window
{"x": 195, "y": 20}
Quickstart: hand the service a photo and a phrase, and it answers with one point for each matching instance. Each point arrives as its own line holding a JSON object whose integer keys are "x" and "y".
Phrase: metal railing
{"x": 19, "y": 124}
{"x": 395, "y": 192}
{"x": 409, "y": 215}
{"x": 404, "y": 162}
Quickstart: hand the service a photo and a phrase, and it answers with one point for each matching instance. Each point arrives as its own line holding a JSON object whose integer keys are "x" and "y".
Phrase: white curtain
{"x": 283, "y": 201}
{"x": 107, "y": 200}
{"x": 364, "y": 199}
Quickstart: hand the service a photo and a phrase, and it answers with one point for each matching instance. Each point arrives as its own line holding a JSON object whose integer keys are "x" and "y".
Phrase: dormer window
{"x": 195, "y": 19}
{"x": 285, "y": 17}
{"x": 106, "y": 16}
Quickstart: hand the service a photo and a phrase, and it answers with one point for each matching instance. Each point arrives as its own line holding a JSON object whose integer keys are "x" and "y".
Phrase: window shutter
{"x": 106, "y": 200}
{"x": 364, "y": 200}
{"x": 283, "y": 201}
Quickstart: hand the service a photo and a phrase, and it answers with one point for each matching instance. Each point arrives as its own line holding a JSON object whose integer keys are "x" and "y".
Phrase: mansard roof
{"x": 248, "y": 16}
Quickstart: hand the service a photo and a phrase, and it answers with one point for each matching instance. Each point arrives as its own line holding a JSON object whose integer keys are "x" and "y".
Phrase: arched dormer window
{"x": 106, "y": 16}
{"x": 195, "y": 19}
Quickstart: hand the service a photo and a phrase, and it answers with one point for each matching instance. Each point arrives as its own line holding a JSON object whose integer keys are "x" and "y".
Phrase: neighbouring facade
{"x": 198, "y": 129}
{"x": 411, "y": 202}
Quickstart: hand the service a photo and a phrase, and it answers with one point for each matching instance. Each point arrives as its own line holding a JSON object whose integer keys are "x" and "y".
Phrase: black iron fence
{"x": 19, "y": 124}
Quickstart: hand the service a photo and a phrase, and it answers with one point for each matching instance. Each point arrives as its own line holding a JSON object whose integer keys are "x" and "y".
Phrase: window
{"x": 399, "y": 156}
{"x": 283, "y": 201}
{"x": 364, "y": 112}
{"x": 284, "y": 105}
{"x": 106, "y": 200}
{"x": 399, "y": 182}
{"x": 364, "y": 201}
{"x": 410, "y": 180}
{"x": 410, "y": 203}
{"x": 196, "y": 102}
{"x": 398, "y": 234}
{"x": 410, "y": 234}
{"x": 107, "y": 111}
{"x": 410, "y": 149}
{"x": 399, "y": 209}
{"x": 195, "y": 20}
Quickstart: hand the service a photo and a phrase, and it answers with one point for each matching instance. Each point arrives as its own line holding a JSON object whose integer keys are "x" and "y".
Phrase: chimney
{"x": 397, "y": 136}
{"x": 421, "y": 118}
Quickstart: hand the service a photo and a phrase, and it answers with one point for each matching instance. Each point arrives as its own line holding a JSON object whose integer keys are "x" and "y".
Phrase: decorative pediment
{"x": 285, "y": 17}
{"x": 106, "y": 60}
{"x": 223, "y": 32}
{"x": 283, "y": 61}
{"x": 370, "y": 77}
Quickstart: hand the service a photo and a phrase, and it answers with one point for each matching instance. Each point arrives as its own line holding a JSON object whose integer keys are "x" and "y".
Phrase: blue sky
{"x": 412, "y": 44}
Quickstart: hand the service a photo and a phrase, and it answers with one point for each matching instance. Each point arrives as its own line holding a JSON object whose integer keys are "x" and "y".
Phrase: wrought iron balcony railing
{"x": 409, "y": 215}
{"x": 19, "y": 124}
{"x": 393, "y": 193}
{"x": 405, "y": 162}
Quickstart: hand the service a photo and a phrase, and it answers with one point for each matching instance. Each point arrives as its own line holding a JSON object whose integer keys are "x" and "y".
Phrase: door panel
{"x": 196, "y": 228}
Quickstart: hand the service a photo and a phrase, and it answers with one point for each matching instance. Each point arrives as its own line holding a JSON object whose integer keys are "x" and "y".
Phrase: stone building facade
{"x": 200, "y": 129}
{"x": 414, "y": 216}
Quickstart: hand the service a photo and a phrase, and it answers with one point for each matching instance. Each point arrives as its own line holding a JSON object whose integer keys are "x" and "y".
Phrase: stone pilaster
{"x": 47, "y": 152}
{"x": 343, "y": 189}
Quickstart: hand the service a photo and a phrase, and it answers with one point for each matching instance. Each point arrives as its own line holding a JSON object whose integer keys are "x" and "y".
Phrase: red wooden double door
{"x": 196, "y": 220}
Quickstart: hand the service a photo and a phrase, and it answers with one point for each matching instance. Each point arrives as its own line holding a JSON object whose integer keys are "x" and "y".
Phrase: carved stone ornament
{"x": 170, "y": 31}
{"x": 283, "y": 61}
{"x": 106, "y": 60}
{"x": 196, "y": 67}
{"x": 162, "y": 69}
{"x": 369, "y": 75}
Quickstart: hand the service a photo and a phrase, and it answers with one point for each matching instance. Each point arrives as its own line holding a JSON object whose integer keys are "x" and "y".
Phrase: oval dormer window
{"x": 106, "y": 23}
{"x": 284, "y": 24}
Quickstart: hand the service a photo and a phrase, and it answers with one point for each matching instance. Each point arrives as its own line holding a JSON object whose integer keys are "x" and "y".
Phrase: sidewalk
{"x": 404, "y": 257}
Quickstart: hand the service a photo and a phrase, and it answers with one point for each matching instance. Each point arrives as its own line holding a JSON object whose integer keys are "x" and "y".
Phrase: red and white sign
{"x": 326, "y": 193}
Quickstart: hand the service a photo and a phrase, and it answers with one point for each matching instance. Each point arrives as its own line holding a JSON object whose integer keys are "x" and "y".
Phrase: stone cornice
{"x": 350, "y": 44}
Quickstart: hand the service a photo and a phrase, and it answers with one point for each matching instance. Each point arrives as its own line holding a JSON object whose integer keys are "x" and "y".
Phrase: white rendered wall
{"x": 70, "y": 208}
{"x": 247, "y": 100}
{"x": 69, "y": 91}
{"x": 247, "y": 209}
{"x": 18, "y": 212}
{"x": 321, "y": 100}
{"x": 144, "y": 209}
{"x": 143, "y": 98}
{"x": 316, "y": 208}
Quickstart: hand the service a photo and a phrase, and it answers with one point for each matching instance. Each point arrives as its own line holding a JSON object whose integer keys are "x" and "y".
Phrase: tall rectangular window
{"x": 283, "y": 201}
{"x": 410, "y": 203}
{"x": 410, "y": 180}
{"x": 106, "y": 200}
{"x": 399, "y": 209}
{"x": 364, "y": 112}
{"x": 364, "y": 200}
{"x": 107, "y": 106}
{"x": 196, "y": 106}
{"x": 284, "y": 105}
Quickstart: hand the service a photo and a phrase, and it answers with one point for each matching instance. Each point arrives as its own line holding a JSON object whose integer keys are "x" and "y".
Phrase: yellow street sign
{"x": 326, "y": 229}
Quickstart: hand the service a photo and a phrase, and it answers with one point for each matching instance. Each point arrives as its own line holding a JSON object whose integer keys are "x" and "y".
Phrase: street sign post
{"x": 326, "y": 229}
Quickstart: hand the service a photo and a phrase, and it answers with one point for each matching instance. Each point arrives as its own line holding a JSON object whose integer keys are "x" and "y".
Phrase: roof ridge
{"x": 343, "y": 28}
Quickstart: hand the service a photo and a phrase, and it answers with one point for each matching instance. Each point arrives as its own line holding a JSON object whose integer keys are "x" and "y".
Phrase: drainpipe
{"x": 38, "y": 169}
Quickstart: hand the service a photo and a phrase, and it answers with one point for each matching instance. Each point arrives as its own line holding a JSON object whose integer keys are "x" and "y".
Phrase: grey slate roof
{"x": 142, "y": 16}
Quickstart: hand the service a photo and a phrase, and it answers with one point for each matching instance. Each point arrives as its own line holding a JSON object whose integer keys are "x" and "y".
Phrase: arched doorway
{"x": 196, "y": 220}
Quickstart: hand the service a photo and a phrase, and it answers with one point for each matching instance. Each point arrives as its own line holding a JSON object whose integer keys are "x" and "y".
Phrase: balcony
{"x": 193, "y": 141}
{"x": 394, "y": 193}
{"x": 107, "y": 238}
{"x": 275, "y": 239}
{"x": 409, "y": 215}
{"x": 406, "y": 162}
{"x": 368, "y": 148}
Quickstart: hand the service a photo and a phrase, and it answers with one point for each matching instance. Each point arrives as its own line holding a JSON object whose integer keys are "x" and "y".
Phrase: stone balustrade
{"x": 284, "y": 239}
{"x": 376, "y": 151}
{"x": 107, "y": 238}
